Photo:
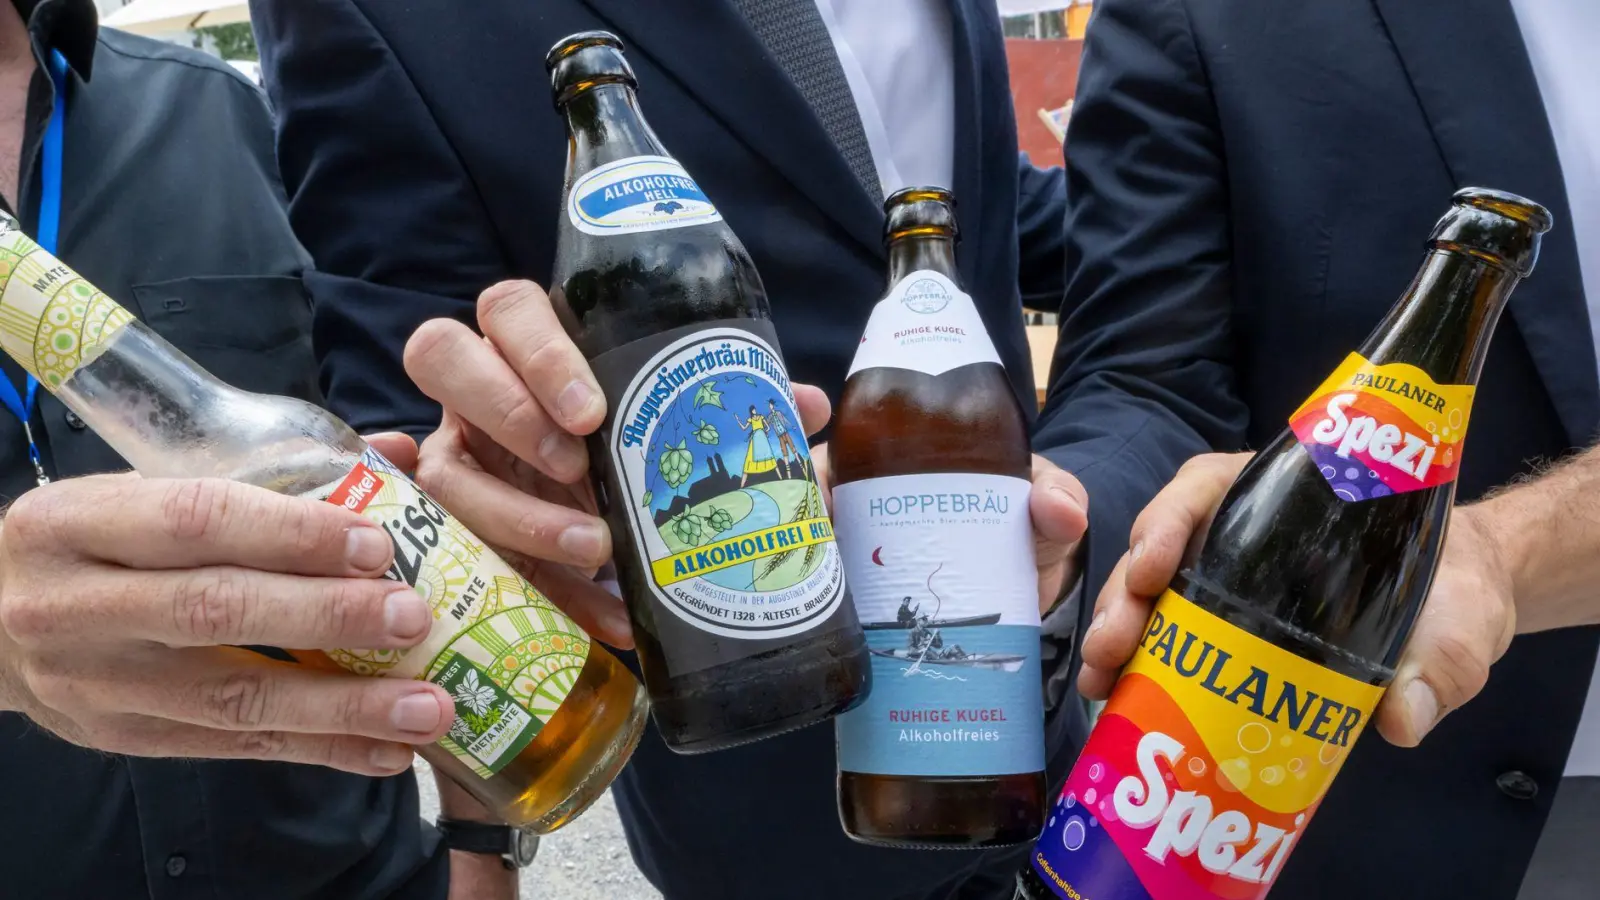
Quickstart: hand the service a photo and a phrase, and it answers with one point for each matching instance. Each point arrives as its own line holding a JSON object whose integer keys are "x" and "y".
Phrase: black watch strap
{"x": 476, "y": 837}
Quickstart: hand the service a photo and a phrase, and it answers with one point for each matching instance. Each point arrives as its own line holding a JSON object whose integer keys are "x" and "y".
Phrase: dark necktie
{"x": 794, "y": 33}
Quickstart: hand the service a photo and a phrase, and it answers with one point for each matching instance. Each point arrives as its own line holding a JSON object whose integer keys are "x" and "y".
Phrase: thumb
{"x": 814, "y": 407}
{"x": 397, "y": 448}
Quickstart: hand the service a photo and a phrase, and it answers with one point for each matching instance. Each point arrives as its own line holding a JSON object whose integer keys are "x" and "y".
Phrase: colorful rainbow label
{"x": 1203, "y": 770}
{"x": 1376, "y": 430}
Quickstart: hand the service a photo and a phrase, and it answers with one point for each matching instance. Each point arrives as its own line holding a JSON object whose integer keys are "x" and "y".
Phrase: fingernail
{"x": 585, "y": 543}
{"x": 1096, "y": 624}
{"x": 1138, "y": 551}
{"x": 574, "y": 400}
{"x": 417, "y": 713}
{"x": 366, "y": 548}
{"x": 1066, "y": 495}
{"x": 562, "y": 452}
{"x": 1423, "y": 706}
{"x": 406, "y": 615}
{"x": 391, "y": 757}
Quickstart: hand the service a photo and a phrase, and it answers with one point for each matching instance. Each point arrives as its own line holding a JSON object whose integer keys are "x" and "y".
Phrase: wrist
{"x": 456, "y": 805}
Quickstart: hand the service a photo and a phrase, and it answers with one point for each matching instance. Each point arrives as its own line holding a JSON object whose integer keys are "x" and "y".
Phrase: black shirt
{"x": 172, "y": 204}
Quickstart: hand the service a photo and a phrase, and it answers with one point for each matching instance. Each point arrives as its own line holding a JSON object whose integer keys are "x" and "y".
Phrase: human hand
{"x": 1059, "y": 507}
{"x": 120, "y": 598}
{"x": 518, "y": 402}
{"x": 1465, "y": 626}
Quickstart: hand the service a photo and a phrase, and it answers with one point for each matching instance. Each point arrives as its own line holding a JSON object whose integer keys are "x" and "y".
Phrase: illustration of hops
{"x": 474, "y": 694}
{"x": 708, "y": 395}
{"x": 719, "y": 520}
{"x": 676, "y": 464}
{"x": 688, "y": 527}
{"x": 706, "y": 433}
{"x": 648, "y": 496}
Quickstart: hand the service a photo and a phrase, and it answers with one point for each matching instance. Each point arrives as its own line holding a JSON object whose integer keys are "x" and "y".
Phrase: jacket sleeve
{"x": 1142, "y": 377}
{"x": 394, "y": 223}
{"x": 1041, "y": 208}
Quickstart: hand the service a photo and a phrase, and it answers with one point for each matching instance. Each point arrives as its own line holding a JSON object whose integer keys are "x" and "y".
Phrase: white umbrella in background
{"x": 164, "y": 16}
{"x": 1023, "y": 7}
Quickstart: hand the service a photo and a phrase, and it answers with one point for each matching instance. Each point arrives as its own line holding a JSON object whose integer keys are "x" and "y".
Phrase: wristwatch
{"x": 515, "y": 847}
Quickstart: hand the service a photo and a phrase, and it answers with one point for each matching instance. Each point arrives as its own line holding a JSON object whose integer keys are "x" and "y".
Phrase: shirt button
{"x": 176, "y": 865}
{"x": 73, "y": 422}
{"x": 1517, "y": 785}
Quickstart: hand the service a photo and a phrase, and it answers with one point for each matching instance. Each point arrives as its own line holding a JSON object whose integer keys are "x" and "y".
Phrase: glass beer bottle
{"x": 724, "y": 550}
{"x": 1263, "y": 662}
{"x": 544, "y": 717}
{"x": 931, "y": 471}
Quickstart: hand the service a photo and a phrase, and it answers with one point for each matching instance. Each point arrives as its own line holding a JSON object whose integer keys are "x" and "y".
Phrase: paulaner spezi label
{"x": 1204, "y": 769}
{"x": 1376, "y": 430}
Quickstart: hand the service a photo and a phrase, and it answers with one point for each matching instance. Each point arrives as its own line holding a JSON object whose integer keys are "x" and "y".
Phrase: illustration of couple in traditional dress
{"x": 759, "y": 457}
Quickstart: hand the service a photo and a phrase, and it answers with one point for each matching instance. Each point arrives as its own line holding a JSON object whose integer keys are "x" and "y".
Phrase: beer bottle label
{"x": 1376, "y": 430}
{"x": 726, "y": 523}
{"x": 942, "y": 572}
{"x": 1204, "y": 768}
{"x": 926, "y": 324}
{"x": 54, "y": 320}
{"x": 640, "y": 193}
{"x": 503, "y": 651}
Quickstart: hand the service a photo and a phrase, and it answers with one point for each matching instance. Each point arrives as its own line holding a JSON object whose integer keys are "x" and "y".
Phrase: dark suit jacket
{"x": 1250, "y": 186}
{"x": 425, "y": 162}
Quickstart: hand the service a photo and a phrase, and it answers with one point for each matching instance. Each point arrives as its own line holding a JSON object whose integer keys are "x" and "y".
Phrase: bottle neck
{"x": 1445, "y": 320}
{"x": 922, "y": 253}
{"x": 605, "y": 125}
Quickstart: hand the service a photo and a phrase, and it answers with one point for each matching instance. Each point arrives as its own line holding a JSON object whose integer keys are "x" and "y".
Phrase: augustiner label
{"x": 1376, "y": 430}
{"x": 640, "y": 193}
{"x": 1204, "y": 769}
{"x": 718, "y": 484}
{"x": 506, "y": 655}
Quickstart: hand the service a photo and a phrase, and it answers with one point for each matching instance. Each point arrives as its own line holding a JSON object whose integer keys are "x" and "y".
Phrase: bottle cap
{"x": 1494, "y": 226}
{"x": 917, "y": 211}
{"x": 581, "y": 61}
{"x": 51, "y": 319}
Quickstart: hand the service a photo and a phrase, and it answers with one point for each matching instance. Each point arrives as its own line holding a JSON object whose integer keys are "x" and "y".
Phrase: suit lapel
{"x": 1471, "y": 73}
{"x": 708, "y": 47}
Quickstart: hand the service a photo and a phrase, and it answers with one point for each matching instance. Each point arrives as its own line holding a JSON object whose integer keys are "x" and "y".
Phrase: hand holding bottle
{"x": 124, "y": 600}
{"x": 1464, "y": 628}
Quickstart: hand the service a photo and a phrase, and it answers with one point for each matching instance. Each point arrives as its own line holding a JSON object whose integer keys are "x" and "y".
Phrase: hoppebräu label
{"x": 506, "y": 655}
{"x": 926, "y": 324}
{"x": 640, "y": 193}
{"x": 1204, "y": 768}
{"x": 1375, "y": 430}
{"x": 719, "y": 488}
{"x": 942, "y": 573}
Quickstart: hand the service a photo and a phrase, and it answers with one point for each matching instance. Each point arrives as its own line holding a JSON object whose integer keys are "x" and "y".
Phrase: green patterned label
{"x": 505, "y": 653}
{"x": 51, "y": 319}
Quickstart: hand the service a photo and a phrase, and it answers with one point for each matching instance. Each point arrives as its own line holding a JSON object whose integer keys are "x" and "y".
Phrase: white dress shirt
{"x": 1561, "y": 40}
{"x": 898, "y": 58}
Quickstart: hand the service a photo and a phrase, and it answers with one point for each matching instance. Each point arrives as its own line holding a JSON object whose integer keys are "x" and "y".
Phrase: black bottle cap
{"x": 914, "y": 211}
{"x": 581, "y": 61}
{"x": 1494, "y": 226}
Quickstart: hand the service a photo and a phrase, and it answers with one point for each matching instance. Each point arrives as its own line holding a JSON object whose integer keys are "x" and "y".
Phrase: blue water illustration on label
{"x": 640, "y": 193}
{"x": 942, "y": 573}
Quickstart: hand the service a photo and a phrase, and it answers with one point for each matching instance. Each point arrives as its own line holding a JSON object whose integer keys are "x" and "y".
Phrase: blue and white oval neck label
{"x": 640, "y": 193}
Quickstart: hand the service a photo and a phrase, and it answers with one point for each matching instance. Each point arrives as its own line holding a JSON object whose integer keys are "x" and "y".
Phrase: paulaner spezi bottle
{"x": 1262, "y": 664}
{"x": 545, "y": 718}
{"x": 725, "y": 551}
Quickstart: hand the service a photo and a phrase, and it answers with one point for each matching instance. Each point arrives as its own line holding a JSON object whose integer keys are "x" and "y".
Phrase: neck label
{"x": 927, "y": 325}
{"x": 1376, "y": 430}
{"x": 640, "y": 193}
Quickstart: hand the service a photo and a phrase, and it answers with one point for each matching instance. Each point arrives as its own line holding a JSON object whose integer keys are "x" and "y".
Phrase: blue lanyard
{"x": 22, "y": 406}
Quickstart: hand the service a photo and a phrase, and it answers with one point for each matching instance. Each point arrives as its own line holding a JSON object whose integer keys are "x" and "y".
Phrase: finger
{"x": 472, "y": 380}
{"x": 148, "y": 737}
{"x": 1458, "y": 636}
{"x": 1114, "y": 633}
{"x": 595, "y": 609}
{"x": 819, "y": 466}
{"x": 518, "y": 318}
{"x": 397, "y": 448}
{"x": 1178, "y": 514}
{"x": 505, "y": 517}
{"x": 163, "y": 523}
{"x": 1059, "y": 506}
{"x": 226, "y": 605}
{"x": 814, "y": 407}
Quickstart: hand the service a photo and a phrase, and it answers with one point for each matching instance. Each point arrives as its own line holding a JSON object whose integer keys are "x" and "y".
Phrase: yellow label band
{"x": 729, "y": 552}
{"x": 51, "y": 319}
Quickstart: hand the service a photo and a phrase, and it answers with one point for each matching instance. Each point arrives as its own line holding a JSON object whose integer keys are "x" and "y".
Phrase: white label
{"x": 926, "y": 324}
{"x": 640, "y": 193}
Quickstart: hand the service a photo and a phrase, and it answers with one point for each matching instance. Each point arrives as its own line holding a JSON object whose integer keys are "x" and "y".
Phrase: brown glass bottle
{"x": 1312, "y": 573}
{"x": 931, "y": 467}
{"x": 724, "y": 549}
